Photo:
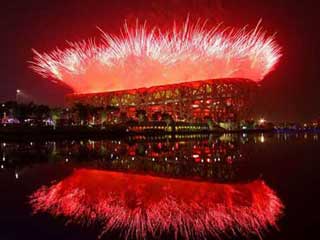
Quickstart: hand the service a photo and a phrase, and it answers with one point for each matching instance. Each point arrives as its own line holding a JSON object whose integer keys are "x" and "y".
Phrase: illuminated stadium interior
{"x": 222, "y": 100}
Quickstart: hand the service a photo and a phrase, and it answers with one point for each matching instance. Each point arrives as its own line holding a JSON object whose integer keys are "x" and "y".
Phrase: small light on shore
{"x": 262, "y": 120}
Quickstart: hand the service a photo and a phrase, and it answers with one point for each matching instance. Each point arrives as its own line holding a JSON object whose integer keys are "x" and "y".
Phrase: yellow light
{"x": 262, "y": 120}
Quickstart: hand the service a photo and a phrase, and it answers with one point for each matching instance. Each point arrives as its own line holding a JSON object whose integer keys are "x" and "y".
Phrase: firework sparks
{"x": 141, "y": 206}
{"x": 143, "y": 58}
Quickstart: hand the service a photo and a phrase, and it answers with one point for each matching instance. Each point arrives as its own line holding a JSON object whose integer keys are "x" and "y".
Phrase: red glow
{"x": 139, "y": 205}
{"x": 143, "y": 58}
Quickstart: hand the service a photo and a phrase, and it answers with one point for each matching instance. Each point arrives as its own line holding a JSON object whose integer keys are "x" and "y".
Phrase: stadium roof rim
{"x": 151, "y": 89}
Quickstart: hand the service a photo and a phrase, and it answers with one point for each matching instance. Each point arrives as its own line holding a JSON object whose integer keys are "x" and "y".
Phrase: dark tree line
{"x": 22, "y": 111}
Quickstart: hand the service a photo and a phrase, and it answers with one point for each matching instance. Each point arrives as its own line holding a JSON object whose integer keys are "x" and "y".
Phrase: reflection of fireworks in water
{"x": 143, "y": 205}
{"x": 144, "y": 58}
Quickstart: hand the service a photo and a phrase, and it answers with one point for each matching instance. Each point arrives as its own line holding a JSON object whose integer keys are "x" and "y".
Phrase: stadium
{"x": 222, "y": 100}
{"x": 193, "y": 74}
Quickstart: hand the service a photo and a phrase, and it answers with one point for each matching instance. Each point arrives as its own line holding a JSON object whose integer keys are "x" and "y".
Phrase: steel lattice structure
{"x": 222, "y": 100}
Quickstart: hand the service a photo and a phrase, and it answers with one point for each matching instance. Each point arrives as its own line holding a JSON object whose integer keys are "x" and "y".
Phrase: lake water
{"x": 242, "y": 186}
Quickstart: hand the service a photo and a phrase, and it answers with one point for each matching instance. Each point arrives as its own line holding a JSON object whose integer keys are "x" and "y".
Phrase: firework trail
{"x": 143, "y": 57}
{"x": 140, "y": 206}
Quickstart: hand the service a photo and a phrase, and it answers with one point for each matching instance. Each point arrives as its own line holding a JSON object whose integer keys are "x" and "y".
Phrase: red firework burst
{"x": 143, "y": 58}
{"x": 141, "y": 206}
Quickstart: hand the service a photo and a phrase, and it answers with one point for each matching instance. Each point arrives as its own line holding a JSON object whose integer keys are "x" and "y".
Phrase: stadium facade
{"x": 221, "y": 100}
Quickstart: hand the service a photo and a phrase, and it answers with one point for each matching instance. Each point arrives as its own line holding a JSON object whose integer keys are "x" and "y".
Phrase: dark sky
{"x": 291, "y": 92}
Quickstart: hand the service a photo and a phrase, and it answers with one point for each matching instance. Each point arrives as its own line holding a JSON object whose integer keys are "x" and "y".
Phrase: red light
{"x": 141, "y": 205}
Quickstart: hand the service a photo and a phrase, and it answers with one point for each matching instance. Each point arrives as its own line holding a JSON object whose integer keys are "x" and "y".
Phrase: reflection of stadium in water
{"x": 215, "y": 157}
{"x": 141, "y": 191}
{"x": 218, "y": 158}
{"x": 206, "y": 158}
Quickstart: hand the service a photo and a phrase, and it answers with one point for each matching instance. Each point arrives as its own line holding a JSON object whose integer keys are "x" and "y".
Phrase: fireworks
{"x": 142, "y": 57}
{"x": 139, "y": 206}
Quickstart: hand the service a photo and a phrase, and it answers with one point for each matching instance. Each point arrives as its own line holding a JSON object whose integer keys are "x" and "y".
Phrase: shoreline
{"x": 118, "y": 132}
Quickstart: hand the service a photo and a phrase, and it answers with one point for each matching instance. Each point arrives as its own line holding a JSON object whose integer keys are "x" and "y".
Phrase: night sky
{"x": 291, "y": 92}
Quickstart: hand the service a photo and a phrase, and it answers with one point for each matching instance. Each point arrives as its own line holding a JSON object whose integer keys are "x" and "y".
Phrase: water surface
{"x": 166, "y": 187}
